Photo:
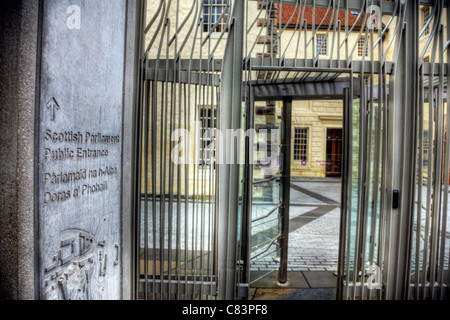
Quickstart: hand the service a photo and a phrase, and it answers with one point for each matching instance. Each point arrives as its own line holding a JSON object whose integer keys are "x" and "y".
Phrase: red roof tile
{"x": 290, "y": 14}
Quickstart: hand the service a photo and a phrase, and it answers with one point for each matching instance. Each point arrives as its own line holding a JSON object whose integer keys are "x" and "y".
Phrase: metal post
{"x": 344, "y": 194}
{"x": 285, "y": 182}
{"x": 228, "y": 174}
{"x": 248, "y": 188}
{"x": 403, "y": 159}
{"x": 137, "y": 150}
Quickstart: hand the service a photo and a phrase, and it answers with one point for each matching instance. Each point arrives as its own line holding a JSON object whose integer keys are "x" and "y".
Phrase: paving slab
{"x": 320, "y": 279}
{"x": 295, "y": 280}
{"x": 295, "y": 294}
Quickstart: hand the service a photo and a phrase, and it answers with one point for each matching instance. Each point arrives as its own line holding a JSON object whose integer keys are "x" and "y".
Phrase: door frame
{"x": 333, "y": 90}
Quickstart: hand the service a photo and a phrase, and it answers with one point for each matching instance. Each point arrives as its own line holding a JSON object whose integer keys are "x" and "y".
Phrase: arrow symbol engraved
{"x": 53, "y": 106}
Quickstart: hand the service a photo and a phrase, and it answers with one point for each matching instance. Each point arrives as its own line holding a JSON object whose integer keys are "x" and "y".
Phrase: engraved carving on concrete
{"x": 78, "y": 270}
{"x": 53, "y": 106}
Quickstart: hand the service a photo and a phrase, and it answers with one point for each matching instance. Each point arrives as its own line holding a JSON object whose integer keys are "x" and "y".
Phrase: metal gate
{"x": 203, "y": 65}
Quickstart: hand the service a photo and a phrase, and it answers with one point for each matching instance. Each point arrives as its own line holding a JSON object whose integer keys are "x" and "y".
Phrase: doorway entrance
{"x": 334, "y": 152}
{"x": 313, "y": 213}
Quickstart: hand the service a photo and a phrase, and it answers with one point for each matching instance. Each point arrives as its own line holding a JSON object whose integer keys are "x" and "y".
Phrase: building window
{"x": 321, "y": 45}
{"x": 301, "y": 145}
{"x": 426, "y": 14}
{"x": 212, "y": 13}
{"x": 208, "y": 125}
{"x": 361, "y": 50}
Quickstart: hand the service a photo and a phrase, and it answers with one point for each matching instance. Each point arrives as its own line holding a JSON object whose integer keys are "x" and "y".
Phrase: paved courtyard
{"x": 314, "y": 227}
{"x": 313, "y": 237}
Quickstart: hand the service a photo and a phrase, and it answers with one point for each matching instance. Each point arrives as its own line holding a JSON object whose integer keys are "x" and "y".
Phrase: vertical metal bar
{"x": 171, "y": 181}
{"x": 376, "y": 159}
{"x": 406, "y": 163}
{"x": 349, "y": 198}
{"x": 368, "y": 136}
{"x": 359, "y": 233}
{"x": 146, "y": 119}
{"x": 437, "y": 192}
{"x": 419, "y": 289}
{"x": 154, "y": 164}
{"x": 187, "y": 121}
{"x": 432, "y": 163}
{"x": 347, "y": 58}
{"x": 163, "y": 146}
{"x": 285, "y": 182}
{"x": 344, "y": 194}
{"x": 230, "y": 99}
{"x": 383, "y": 106}
{"x": 446, "y": 176}
{"x": 177, "y": 86}
{"x": 137, "y": 150}
{"x": 248, "y": 188}
{"x": 138, "y": 172}
{"x": 444, "y": 160}
{"x": 383, "y": 201}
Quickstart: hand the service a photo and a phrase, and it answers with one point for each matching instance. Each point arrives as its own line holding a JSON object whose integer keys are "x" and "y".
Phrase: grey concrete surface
{"x": 18, "y": 54}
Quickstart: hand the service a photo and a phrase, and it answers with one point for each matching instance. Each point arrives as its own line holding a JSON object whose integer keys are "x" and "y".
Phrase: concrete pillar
{"x": 67, "y": 66}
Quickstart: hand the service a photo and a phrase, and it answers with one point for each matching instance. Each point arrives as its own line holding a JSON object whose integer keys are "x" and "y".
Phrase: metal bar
{"x": 186, "y": 287}
{"x": 200, "y": 78}
{"x": 248, "y": 189}
{"x": 376, "y": 126}
{"x": 344, "y": 194}
{"x": 146, "y": 118}
{"x": 269, "y": 213}
{"x": 361, "y": 184}
{"x": 446, "y": 190}
{"x": 383, "y": 203}
{"x": 286, "y": 187}
{"x": 349, "y": 199}
{"x": 150, "y": 24}
{"x": 277, "y": 238}
{"x": 164, "y": 116}
{"x": 437, "y": 174}
{"x": 140, "y": 22}
{"x": 406, "y": 156}
{"x": 307, "y": 65}
{"x": 444, "y": 201}
{"x": 367, "y": 161}
{"x": 228, "y": 175}
{"x": 421, "y": 120}
{"x": 432, "y": 163}
{"x": 190, "y": 65}
{"x": 261, "y": 181}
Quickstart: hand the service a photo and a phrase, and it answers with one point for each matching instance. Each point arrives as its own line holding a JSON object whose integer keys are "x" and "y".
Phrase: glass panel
{"x": 266, "y": 189}
{"x": 365, "y": 212}
{"x": 353, "y": 192}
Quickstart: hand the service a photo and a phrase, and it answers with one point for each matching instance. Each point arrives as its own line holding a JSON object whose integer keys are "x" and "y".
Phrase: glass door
{"x": 265, "y": 189}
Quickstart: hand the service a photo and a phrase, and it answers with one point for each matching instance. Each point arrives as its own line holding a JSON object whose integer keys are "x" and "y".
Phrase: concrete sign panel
{"x": 80, "y": 149}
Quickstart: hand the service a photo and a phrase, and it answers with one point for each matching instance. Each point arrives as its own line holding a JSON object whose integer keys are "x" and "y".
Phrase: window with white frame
{"x": 301, "y": 145}
{"x": 215, "y": 12}
{"x": 208, "y": 125}
{"x": 361, "y": 50}
{"x": 321, "y": 44}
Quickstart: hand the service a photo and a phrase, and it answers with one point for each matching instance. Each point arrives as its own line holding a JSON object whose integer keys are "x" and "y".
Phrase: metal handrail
{"x": 256, "y": 182}
{"x": 268, "y": 214}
